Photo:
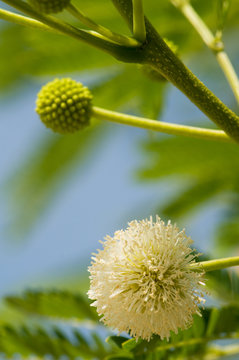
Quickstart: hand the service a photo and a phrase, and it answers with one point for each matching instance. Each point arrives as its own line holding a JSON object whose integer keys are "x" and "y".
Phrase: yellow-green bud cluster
{"x": 64, "y": 105}
{"x": 49, "y": 6}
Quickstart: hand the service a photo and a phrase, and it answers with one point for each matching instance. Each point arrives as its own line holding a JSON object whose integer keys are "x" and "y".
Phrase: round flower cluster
{"x": 64, "y": 105}
{"x": 142, "y": 282}
{"x": 49, "y": 6}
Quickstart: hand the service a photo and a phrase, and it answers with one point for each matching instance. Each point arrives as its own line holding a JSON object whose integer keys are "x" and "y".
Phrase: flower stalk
{"x": 216, "y": 264}
{"x": 167, "y": 128}
{"x": 25, "y": 21}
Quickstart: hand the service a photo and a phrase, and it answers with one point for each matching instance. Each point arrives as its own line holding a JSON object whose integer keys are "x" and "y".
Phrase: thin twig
{"x": 25, "y": 21}
{"x": 139, "y": 30}
{"x": 120, "y": 39}
{"x": 211, "y": 41}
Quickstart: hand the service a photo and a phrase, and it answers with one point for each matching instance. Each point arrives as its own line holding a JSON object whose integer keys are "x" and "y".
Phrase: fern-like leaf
{"x": 54, "y": 303}
{"x": 38, "y": 341}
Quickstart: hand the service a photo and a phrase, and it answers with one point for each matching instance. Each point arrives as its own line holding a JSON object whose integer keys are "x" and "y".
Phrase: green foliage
{"x": 62, "y": 337}
{"x": 38, "y": 53}
{"x": 210, "y": 169}
{"x": 49, "y": 6}
{"x": 55, "y": 331}
{"x": 53, "y": 304}
{"x": 27, "y": 340}
{"x": 193, "y": 343}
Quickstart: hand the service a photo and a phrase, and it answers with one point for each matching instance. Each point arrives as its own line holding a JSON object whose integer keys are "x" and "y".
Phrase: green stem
{"x": 229, "y": 72}
{"x": 211, "y": 41}
{"x": 122, "y": 40}
{"x": 66, "y": 29}
{"x": 216, "y": 264}
{"x": 218, "y": 351}
{"x": 157, "y": 54}
{"x": 25, "y": 21}
{"x": 195, "y": 341}
{"x": 167, "y": 128}
{"x": 139, "y": 30}
{"x": 153, "y": 52}
{"x": 34, "y": 24}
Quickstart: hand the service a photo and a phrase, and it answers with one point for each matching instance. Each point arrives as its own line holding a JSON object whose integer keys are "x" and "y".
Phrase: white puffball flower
{"x": 142, "y": 282}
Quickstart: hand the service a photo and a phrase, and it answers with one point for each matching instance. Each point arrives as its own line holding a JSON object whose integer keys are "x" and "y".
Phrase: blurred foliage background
{"x": 194, "y": 183}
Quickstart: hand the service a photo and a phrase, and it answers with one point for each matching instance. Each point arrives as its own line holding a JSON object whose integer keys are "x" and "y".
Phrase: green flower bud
{"x": 49, "y": 6}
{"x": 64, "y": 105}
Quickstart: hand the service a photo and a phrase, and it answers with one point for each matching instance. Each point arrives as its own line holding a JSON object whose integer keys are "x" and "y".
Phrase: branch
{"x": 158, "y": 55}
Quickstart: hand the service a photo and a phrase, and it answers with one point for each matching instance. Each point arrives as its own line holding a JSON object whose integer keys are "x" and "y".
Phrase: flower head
{"x": 64, "y": 105}
{"x": 142, "y": 282}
